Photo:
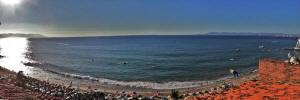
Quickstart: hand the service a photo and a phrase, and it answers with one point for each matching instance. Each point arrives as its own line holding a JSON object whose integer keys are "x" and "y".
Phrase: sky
{"x": 148, "y": 17}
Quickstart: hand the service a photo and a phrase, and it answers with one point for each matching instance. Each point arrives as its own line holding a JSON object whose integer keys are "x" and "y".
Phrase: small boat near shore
{"x": 154, "y": 66}
{"x": 288, "y": 48}
{"x": 261, "y": 46}
{"x": 232, "y": 59}
{"x": 237, "y": 49}
{"x": 124, "y": 63}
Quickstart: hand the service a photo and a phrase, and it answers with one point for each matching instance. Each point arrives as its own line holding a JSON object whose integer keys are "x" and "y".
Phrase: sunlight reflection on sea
{"x": 14, "y": 50}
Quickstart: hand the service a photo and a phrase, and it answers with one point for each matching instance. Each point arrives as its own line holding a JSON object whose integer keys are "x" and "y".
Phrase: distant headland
{"x": 3, "y": 35}
{"x": 252, "y": 34}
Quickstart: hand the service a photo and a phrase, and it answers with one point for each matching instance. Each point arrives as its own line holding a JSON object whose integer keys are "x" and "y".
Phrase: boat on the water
{"x": 232, "y": 59}
{"x": 261, "y": 46}
{"x": 237, "y": 49}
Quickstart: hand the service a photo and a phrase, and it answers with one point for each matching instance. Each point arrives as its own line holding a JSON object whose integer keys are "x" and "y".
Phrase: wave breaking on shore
{"x": 137, "y": 84}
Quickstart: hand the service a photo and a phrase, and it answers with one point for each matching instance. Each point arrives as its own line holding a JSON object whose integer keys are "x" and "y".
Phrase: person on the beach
{"x": 158, "y": 93}
{"x": 289, "y": 55}
{"x": 293, "y": 60}
{"x": 234, "y": 73}
{"x": 116, "y": 93}
{"x": 70, "y": 85}
{"x": 154, "y": 94}
{"x": 133, "y": 94}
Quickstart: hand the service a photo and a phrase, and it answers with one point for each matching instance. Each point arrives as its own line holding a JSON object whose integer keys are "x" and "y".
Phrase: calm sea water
{"x": 152, "y": 61}
{"x": 156, "y": 58}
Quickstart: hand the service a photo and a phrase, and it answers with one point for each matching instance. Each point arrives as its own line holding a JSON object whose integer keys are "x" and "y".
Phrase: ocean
{"x": 151, "y": 60}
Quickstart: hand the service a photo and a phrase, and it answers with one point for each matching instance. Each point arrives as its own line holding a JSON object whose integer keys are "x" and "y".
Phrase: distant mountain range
{"x": 3, "y": 35}
{"x": 251, "y": 34}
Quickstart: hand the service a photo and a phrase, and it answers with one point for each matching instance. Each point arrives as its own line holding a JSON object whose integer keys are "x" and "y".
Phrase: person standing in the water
{"x": 234, "y": 73}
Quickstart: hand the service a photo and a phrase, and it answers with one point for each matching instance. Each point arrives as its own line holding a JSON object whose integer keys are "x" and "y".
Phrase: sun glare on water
{"x": 14, "y": 51}
{"x": 11, "y": 2}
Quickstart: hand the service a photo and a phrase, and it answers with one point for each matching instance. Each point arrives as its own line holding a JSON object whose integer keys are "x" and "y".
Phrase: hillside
{"x": 21, "y": 35}
{"x": 252, "y": 34}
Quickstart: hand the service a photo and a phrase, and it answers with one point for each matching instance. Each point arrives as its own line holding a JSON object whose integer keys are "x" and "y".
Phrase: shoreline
{"x": 253, "y": 85}
{"x": 85, "y": 85}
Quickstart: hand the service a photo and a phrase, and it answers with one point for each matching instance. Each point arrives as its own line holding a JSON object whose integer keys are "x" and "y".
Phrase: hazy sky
{"x": 139, "y": 17}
